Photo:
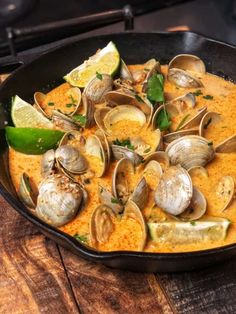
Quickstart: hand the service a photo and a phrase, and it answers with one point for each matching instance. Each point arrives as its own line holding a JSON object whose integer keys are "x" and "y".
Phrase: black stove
{"x": 31, "y": 27}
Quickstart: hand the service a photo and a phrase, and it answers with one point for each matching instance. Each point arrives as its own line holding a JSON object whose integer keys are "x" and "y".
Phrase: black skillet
{"x": 40, "y": 74}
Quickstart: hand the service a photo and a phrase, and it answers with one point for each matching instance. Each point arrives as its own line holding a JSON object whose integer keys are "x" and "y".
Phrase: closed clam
{"x": 26, "y": 193}
{"x": 98, "y": 87}
{"x": 71, "y": 159}
{"x": 59, "y": 200}
{"x": 190, "y": 151}
{"x": 174, "y": 191}
{"x": 101, "y": 225}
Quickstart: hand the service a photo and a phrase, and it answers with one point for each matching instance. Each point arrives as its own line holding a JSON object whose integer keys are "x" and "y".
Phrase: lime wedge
{"x": 176, "y": 232}
{"x": 105, "y": 61}
{"x": 26, "y": 116}
{"x": 32, "y": 141}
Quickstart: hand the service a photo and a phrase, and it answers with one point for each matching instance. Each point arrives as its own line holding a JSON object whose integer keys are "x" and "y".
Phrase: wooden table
{"x": 38, "y": 276}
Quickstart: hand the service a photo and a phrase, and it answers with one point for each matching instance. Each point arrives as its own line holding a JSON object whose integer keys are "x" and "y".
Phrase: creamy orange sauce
{"x": 127, "y": 232}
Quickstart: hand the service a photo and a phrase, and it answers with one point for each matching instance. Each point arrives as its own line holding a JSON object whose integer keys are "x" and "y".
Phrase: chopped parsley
{"x": 155, "y": 88}
{"x": 114, "y": 200}
{"x": 69, "y": 105}
{"x": 197, "y": 93}
{"x": 163, "y": 121}
{"x": 147, "y": 150}
{"x": 27, "y": 184}
{"x": 207, "y": 124}
{"x": 99, "y": 76}
{"x": 193, "y": 223}
{"x": 80, "y": 119}
{"x": 125, "y": 143}
{"x": 210, "y": 143}
{"x": 182, "y": 122}
{"x": 139, "y": 99}
{"x": 81, "y": 238}
{"x": 51, "y": 104}
{"x": 208, "y": 97}
{"x": 72, "y": 99}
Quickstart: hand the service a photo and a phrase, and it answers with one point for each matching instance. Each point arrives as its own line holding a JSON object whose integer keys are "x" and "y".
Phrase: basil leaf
{"x": 155, "y": 88}
{"x": 163, "y": 121}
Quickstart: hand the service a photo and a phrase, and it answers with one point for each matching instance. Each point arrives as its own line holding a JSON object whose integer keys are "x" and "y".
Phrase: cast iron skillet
{"x": 220, "y": 59}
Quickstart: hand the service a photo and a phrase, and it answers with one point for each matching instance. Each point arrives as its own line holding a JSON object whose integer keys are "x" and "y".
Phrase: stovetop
{"x": 212, "y": 18}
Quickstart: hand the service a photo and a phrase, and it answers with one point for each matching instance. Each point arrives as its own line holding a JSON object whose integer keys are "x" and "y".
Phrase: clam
{"x": 125, "y": 85}
{"x": 132, "y": 211}
{"x": 195, "y": 120}
{"x": 183, "y": 79}
{"x": 198, "y": 171}
{"x": 225, "y": 190}
{"x": 47, "y": 163}
{"x": 99, "y": 115}
{"x": 151, "y": 67}
{"x": 73, "y": 138}
{"x": 26, "y": 192}
{"x": 210, "y": 117}
{"x": 75, "y": 95}
{"x": 105, "y": 144}
{"x": 170, "y": 137}
{"x": 120, "y": 152}
{"x": 125, "y": 73}
{"x": 174, "y": 191}
{"x": 97, "y": 148}
{"x": 63, "y": 122}
{"x": 227, "y": 146}
{"x": 121, "y": 179}
{"x": 101, "y": 225}
{"x": 98, "y": 87}
{"x": 88, "y": 110}
{"x": 124, "y": 112}
{"x": 152, "y": 173}
{"x": 140, "y": 193}
{"x": 161, "y": 157}
{"x": 197, "y": 207}
{"x": 190, "y": 151}
{"x": 59, "y": 200}
{"x": 180, "y": 104}
{"x": 188, "y": 62}
{"x": 70, "y": 159}
{"x": 108, "y": 199}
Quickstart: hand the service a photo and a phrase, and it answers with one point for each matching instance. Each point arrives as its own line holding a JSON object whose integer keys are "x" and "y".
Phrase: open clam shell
{"x": 152, "y": 173}
{"x": 225, "y": 190}
{"x": 99, "y": 115}
{"x": 120, "y": 152}
{"x": 174, "y": 191}
{"x": 132, "y": 211}
{"x": 161, "y": 157}
{"x": 183, "y": 79}
{"x": 124, "y": 112}
{"x": 48, "y": 163}
{"x": 180, "y": 104}
{"x": 152, "y": 67}
{"x": 170, "y": 137}
{"x": 105, "y": 144}
{"x": 125, "y": 73}
{"x": 197, "y": 207}
{"x": 188, "y": 62}
{"x": 210, "y": 117}
{"x": 198, "y": 171}
{"x": 190, "y": 151}
{"x": 195, "y": 120}
{"x": 108, "y": 199}
{"x": 121, "y": 187}
{"x": 101, "y": 225}
{"x": 26, "y": 192}
{"x": 98, "y": 87}
{"x": 140, "y": 194}
{"x": 63, "y": 122}
{"x": 88, "y": 110}
{"x": 227, "y": 146}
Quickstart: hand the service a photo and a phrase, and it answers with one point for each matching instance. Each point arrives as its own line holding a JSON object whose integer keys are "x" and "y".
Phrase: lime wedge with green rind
{"x": 176, "y": 232}
{"x": 32, "y": 141}
{"x": 105, "y": 61}
{"x": 24, "y": 115}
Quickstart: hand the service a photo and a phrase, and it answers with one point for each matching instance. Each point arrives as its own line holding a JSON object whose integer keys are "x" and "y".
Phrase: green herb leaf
{"x": 138, "y": 98}
{"x": 208, "y": 97}
{"x": 147, "y": 150}
{"x": 51, "y": 104}
{"x": 114, "y": 200}
{"x": 69, "y": 105}
{"x": 182, "y": 122}
{"x": 210, "y": 143}
{"x": 81, "y": 238}
{"x": 72, "y": 99}
{"x": 155, "y": 88}
{"x": 193, "y": 223}
{"x": 163, "y": 120}
{"x": 208, "y": 122}
{"x": 124, "y": 143}
{"x": 99, "y": 76}
{"x": 80, "y": 119}
{"x": 197, "y": 93}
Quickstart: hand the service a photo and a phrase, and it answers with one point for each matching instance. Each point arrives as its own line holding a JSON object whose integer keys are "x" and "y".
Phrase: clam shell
{"x": 47, "y": 163}
{"x": 120, "y": 152}
{"x": 101, "y": 225}
{"x": 140, "y": 194}
{"x": 197, "y": 207}
{"x": 120, "y": 180}
{"x": 25, "y": 192}
{"x": 198, "y": 171}
{"x": 188, "y": 62}
{"x": 194, "y": 121}
{"x": 180, "y": 104}
{"x": 88, "y": 110}
{"x": 225, "y": 190}
{"x": 174, "y": 191}
{"x": 63, "y": 122}
{"x": 97, "y": 88}
{"x": 190, "y": 151}
{"x": 125, "y": 73}
{"x": 108, "y": 199}
{"x": 210, "y": 117}
{"x": 183, "y": 79}
{"x": 161, "y": 157}
{"x": 227, "y": 146}
{"x": 170, "y": 137}
{"x": 132, "y": 211}
{"x": 99, "y": 115}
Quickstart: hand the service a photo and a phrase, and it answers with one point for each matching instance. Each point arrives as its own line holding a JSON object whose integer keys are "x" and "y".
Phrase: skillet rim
{"x": 82, "y": 249}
